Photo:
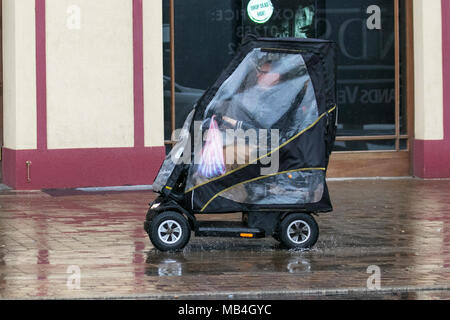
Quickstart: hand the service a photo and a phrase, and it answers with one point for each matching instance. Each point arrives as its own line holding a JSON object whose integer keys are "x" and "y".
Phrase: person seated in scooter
{"x": 266, "y": 106}
{"x": 266, "y": 82}
{"x": 262, "y": 105}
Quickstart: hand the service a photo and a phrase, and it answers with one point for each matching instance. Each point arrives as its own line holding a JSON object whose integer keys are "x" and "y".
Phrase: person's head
{"x": 265, "y": 76}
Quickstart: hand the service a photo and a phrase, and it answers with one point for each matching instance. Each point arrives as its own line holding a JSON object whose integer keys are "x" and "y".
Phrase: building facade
{"x": 93, "y": 89}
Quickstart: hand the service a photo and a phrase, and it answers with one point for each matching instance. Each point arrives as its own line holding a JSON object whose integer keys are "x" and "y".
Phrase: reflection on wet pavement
{"x": 400, "y": 226}
{"x": 222, "y": 262}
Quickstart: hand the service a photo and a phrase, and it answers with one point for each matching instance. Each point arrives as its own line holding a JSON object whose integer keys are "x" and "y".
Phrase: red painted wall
{"x": 81, "y": 167}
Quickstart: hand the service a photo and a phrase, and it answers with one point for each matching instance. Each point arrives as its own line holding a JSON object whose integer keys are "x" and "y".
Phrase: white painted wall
{"x": 90, "y": 101}
{"x": 19, "y": 74}
{"x": 429, "y": 124}
{"x": 153, "y": 74}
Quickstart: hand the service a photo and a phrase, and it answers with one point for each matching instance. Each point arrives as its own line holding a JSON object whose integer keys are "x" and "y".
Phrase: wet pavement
{"x": 67, "y": 244}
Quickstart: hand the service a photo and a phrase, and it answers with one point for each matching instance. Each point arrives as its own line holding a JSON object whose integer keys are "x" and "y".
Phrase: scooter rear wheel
{"x": 299, "y": 231}
{"x": 169, "y": 231}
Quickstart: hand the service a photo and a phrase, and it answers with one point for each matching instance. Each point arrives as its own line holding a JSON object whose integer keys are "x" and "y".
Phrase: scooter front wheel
{"x": 169, "y": 231}
{"x": 299, "y": 231}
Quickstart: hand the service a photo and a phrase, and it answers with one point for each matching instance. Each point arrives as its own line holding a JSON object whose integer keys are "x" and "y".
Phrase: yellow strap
{"x": 276, "y": 149}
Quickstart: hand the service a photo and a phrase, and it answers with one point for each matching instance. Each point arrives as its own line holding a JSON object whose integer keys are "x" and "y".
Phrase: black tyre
{"x": 169, "y": 231}
{"x": 299, "y": 231}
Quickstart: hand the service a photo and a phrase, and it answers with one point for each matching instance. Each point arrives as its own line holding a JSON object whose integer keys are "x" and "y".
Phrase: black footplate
{"x": 227, "y": 229}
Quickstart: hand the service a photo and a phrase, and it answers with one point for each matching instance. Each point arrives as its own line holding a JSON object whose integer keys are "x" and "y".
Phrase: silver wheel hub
{"x": 299, "y": 232}
{"x": 169, "y": 231}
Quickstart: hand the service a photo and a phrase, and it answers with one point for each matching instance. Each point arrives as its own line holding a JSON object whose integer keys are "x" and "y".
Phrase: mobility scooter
{"x": 258, "y": 142}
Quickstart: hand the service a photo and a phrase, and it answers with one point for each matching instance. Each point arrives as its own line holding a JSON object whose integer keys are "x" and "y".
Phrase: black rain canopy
{"x": 260, "y": 138}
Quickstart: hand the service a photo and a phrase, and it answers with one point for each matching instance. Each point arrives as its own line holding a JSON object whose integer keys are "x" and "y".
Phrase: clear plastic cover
{"x": 289, "y": 188}
{"x": 175, "y": 156}
{"x": 267, "y": 100}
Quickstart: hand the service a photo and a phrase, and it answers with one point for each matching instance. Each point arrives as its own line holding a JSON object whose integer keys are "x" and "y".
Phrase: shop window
{"x": 371, "y": 68}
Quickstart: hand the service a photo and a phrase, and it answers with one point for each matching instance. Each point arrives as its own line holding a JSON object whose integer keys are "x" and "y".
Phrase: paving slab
{"x": 70, "y": 245}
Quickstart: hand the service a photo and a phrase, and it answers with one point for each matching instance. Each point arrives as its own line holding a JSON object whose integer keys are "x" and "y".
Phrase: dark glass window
{"x": 207, "y": 33}
{"x": 204, "y": 39}
{"x": 366, "y": 65}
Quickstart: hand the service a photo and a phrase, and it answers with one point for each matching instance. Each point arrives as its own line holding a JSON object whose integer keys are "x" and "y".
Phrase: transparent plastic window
{"x": 288, "y": 188}
{"x": 175, "y": 156}
{"x": 267, "y": 100}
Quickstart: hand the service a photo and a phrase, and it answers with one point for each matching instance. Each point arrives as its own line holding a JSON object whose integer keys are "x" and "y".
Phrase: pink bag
{"x": 212, "y": 162}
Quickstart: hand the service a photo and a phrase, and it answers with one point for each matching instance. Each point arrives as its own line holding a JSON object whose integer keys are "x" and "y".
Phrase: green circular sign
{"x": 260, "y": 11}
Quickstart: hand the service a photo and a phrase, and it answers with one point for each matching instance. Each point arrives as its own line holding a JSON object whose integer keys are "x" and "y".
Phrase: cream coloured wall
{"x": 90, "y": 74}
{"x": 429, "y": 123}
{"x": 19, "y": 74}
{"x": 153, "y": 74}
